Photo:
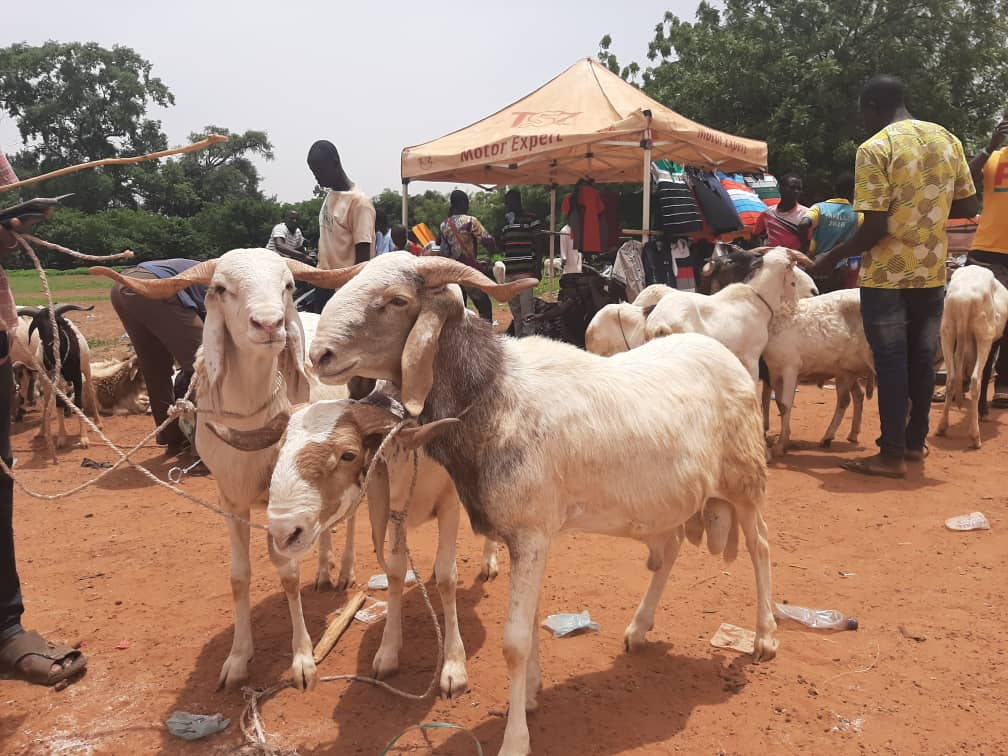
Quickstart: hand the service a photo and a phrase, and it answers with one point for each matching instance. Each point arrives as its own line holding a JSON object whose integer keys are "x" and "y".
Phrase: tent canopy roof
{"x": 586, "y": 122}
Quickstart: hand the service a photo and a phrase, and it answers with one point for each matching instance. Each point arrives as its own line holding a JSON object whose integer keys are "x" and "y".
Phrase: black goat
{"x": 71, "y": 368}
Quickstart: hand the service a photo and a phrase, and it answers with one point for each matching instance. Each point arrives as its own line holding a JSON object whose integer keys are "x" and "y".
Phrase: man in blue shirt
{"x": 163, "y": 332}
{"x": 829, "y": 224}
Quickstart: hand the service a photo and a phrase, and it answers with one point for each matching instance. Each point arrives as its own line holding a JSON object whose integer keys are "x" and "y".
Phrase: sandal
{"x": 939, "y": 395}
{"x": 30, "y": 657}
{"x": 865, "y": 467}
{"x": 1000, "y": 400}
{"x": 917, "y": 455}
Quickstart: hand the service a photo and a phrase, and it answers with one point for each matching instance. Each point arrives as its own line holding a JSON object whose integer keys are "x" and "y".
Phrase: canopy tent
{"x": 585, "y": 123}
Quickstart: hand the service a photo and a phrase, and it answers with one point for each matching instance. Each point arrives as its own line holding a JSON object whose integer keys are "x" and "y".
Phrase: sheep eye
{"x": 219, "y": 289}
{"x": 348, "y": 456}
{"x": 289, "y": 286}
{"x": 399, "y": 301}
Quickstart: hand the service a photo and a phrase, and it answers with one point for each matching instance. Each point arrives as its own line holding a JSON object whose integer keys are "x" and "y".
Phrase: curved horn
{"x": 252, "y": 440}
{"x": 31, "y": 312}
{"x": 60, "y": 309}
{"x": 441, "y": 271}
{"x": 161, "y": 288}
{"x": 327, "y": 279}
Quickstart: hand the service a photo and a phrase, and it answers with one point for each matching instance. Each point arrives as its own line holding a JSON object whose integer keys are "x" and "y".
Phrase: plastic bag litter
{"x": 734, "y": 638}
{"x": 188, "y": 726}
{"x": 563, "y": 625}
{"x": 371, "y": 614}
{"x": 380, "y": 582}
{"x": 971, "y": 521}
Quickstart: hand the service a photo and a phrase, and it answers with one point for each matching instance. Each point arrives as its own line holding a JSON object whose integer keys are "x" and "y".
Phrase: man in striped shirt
{"x": 781, "y": 224}
{"x": 522, "y": 242}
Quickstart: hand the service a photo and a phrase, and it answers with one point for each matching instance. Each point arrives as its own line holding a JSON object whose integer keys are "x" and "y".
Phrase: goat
{"x": 527, "y": 470}
{"x": 75, "y": 369}
{"x": 318, "y": 479}
{"x": 817, "y": 339}
{"x": 253, "y": 350}
{"x": 976, "y": 311}
{"x": 739, "y": 315}
{"x": 119, "y": 387}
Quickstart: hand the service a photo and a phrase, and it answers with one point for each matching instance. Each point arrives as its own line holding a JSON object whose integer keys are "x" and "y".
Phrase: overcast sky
{"x": 372, "y": 77}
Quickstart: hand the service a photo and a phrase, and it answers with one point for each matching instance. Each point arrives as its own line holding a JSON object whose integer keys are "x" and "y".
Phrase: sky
{"x": 372, "y": 77}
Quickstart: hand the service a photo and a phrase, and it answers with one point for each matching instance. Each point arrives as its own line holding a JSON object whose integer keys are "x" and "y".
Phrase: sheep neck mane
{"x": 250, "y": 377}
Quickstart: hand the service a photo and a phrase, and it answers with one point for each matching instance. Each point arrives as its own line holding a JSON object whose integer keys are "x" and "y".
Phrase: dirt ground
{"x": 140, "y": 578}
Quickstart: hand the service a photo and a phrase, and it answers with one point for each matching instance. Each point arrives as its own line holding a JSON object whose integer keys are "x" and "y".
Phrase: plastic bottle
{"x": 817, "y": 619}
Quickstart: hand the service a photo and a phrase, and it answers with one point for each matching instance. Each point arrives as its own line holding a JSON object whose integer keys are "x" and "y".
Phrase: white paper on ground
{"x": 971, "y": 521}
{"x": 734, "y": 638}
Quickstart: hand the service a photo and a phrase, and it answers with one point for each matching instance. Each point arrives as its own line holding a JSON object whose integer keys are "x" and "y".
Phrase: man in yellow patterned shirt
{"x": 910, "y": 177}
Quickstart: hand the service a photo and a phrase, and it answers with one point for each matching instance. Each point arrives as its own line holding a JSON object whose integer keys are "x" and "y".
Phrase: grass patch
{"x": 101, "y": 343}
{"x": 39, "y": 300}
{"x": 32, "y": 285}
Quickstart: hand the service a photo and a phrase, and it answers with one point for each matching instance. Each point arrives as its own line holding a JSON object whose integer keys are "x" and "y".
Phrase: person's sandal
{"x": 939, "y": 395}
{"x": 30, "y": 657}
{"x": 916, "y": 455}
{"x": 1000, "y": 400}
{"x": 866, "y": 467}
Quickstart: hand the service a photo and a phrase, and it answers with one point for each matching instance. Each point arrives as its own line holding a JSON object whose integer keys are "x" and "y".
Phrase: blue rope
{"x": 434, "y": 726}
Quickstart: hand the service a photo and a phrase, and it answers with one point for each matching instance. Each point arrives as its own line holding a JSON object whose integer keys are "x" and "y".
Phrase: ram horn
{"x": 60, "y": 309}
{"x": 161, "y": 288}
{"x": 30, "y": 312}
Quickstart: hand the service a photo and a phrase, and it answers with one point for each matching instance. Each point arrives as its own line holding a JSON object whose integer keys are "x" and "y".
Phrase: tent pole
{"x": 552, "y": 236}
{"x": 405, "y": 203}
{"x": 646, "y": 220}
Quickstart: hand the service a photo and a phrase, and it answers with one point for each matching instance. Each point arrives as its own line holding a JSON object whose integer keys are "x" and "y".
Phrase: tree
{"x": 75, "y": 102}
{"x": 790, "y": 71}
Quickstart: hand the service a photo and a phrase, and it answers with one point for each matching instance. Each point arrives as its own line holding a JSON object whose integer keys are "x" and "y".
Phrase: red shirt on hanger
{"x": 591, "y": 208}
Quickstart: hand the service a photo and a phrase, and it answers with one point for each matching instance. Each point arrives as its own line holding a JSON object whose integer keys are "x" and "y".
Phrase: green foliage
{"x": 790, "y": 71}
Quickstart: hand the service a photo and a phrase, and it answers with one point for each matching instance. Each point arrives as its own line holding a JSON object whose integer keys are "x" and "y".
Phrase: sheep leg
{"x": 386, "y": 658}
{"x": 765, "y": 404}
{"x": 347, "y": 576}
{"x": 235, "y": 669}
{"x": 857, "y": 397}
{"x": 92, "y": 399}
{"x": 785, "y": 399}
{"x": 634, "y": 637}
{"x": 951, "y": 376}
{"x": 454, "y": 678}
{"x": 80, "y": 404}
{"x": 843, "y": 398}
{"x": 488, "y": 571}
{"x": 45, "y": 429}
{"x": 755, "y": 530}
{"x": 528, "y": 553}
{"x": 326, "y": 561}
{"x": 303, "y": 671}
{"x": 983, "y": 347}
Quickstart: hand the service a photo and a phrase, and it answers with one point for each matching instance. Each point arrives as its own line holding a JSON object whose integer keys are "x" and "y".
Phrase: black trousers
{"x": 11, "y": 607}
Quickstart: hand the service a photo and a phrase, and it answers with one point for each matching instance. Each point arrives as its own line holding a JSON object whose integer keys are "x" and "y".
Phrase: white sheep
{"x": 976, "y": 310}
{"x": 620, "y": 327}
{"x": 739, "y": 315}
{"x": 326, "y": 449}
{"x": 817, "y": 339}
{"x": 250, "y": 367}
{"x": 528, "y": 469}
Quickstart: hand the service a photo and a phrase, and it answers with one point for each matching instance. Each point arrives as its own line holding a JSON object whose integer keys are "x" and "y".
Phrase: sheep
{"x": 817, "y": 339}
{"x": 731, "y": 264}
{"x": 976, "y": 310}
{"x": 527, "y": 469}
{"x": 253, "y": 349}
{"x": 119, "y": 387}
{"x": 75, "y": 369}
{"x": 620, "y": 327}
{"x": 739, "y": 315}
{"x": 324, "y": 455}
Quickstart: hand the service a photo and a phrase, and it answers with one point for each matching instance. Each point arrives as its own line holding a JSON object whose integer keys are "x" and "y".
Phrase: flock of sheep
{"x": 293, "y": 408}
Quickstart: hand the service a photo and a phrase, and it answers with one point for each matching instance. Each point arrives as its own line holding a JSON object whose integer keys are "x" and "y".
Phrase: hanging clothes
{"x": 611, "y": 201}
{"x": 719, "y": 213}
{"x": 747, "y": 202}
{"x": 584, "y": 209}
{"x": 676, "y": 210}
{"x": 571, "y": 257}
{"x": 629, "y": 268}
{"x": 766, "y": 188}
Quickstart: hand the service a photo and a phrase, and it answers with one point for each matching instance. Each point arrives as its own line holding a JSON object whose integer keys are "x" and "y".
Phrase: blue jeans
{"x": 903, "y": 330}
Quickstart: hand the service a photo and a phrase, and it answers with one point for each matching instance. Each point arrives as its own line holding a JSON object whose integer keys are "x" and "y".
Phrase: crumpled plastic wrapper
{"x": 188, "y": 726}
{"x": 563, "y": 625}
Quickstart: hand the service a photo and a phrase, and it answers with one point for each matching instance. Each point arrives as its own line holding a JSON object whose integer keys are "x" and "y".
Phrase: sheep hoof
{"x": 488, "y": 571}
{"x": 853, "y": 438}
{"x": 826, "y": 443}
{"x": 233, "y": 674}
{"x": 346, "y": 581}
{"x": 454, "y": 680}
{"x": 778, "y": 450}
{"x": 304, "y": 673}
{"x": 385, "y": 663}
{"x": 764, "y": 649}
{"x": 323, "y": 582}
{"x": 976, "y": 443}
{"x": 634, "y": 639}
{"x": 942, "y": 430}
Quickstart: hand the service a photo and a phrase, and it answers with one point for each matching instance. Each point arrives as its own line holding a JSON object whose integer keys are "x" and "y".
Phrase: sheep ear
{"x": 420, "y": 435}
{"x": 421, "y": 348}
{"x": 292, "y": 359}
{"x": 214, "y": 344}
{"x": 378, "y": 509}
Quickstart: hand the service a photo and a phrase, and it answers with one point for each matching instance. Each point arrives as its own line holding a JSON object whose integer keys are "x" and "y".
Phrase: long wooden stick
{"x": 201, "y": 145}
{"x": 335, "y": 630}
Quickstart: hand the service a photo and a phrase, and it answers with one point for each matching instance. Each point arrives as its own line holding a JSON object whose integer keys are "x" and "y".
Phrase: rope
{"x": 434, "y": 726}
{"x": 74, "y": 253}
{"x": 256, "y": 737}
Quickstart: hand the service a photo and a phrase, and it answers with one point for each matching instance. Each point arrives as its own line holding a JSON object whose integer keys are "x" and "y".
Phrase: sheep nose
{"x": 320, "y": 356}
{"x": 265, "y": 323}
{"x": 287, "y": 538}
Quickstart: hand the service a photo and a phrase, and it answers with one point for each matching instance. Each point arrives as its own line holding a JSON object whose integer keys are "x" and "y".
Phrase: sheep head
{"x": 249, "y": 304}
{"x": 325, "y": 450}
{"x": 385, "y": 321}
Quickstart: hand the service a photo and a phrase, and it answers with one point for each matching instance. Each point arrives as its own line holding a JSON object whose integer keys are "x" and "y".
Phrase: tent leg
{"x": 405, "y": 204}
{"x": 552, "y": 237}
{"x": 647, "y": 193}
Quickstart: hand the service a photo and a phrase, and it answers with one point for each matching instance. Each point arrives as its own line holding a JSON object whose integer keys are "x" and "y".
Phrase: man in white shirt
{"x": 570, "y": 256}
{"x": 286, "y": 238}
{"x": 346, "y": 220}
